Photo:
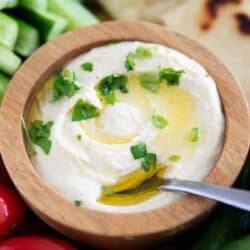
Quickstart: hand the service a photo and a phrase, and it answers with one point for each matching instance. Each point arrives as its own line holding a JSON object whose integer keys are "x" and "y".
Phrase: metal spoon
{"x": 230, "y": 196}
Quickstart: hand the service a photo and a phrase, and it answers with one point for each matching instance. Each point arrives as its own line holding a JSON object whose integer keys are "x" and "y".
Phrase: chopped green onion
{"x": 194, "y": 137}
{"x": 170, "y": 75}
{"x": 66, "y": 84}
{"x": 159, "y": 121}
{"x": 149, "y": 161}
{"x": 174, "y": 158}
{"x": 39, "y": 134}
{"x": 109, "y": 84}
{"x": 78, "y": 203}
{"x": 84, "y": 110}
{"x": 139, "y": 151}
{"x": 140, "y": 53}
{"x": 150, "y": 81}
{"x": 87, "y": 66}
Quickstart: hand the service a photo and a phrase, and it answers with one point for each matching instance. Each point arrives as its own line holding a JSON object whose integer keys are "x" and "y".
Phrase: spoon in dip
{"x": 230, "y": 196}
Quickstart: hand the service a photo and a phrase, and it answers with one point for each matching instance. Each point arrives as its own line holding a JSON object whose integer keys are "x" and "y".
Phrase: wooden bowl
{"x": 102, "y": 229}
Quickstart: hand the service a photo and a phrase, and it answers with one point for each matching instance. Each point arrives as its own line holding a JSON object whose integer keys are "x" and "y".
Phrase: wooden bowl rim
{"x": 50, "y": 205}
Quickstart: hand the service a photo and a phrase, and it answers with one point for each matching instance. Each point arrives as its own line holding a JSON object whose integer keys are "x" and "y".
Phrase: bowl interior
{"x": 75, "y": 221}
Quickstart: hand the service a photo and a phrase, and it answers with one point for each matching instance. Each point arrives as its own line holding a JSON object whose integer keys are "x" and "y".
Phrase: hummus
{"x": 182, "y": 124}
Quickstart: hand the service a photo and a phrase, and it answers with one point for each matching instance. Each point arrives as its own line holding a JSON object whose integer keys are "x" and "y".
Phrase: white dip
{"x": 77, "y": 169}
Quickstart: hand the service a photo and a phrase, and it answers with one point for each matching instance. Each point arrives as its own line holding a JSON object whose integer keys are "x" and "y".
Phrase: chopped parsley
{"x": 194, "y": 137}
{"x": 107, "y": 190}
{"x": 130, "y": 63}
{"x": 30, "y": 147}
{"x": 149, "y": 161}
{"x": 139, "y": 151}
{"x": 109, "y": 84}
{"x": 159, "y": 121}
{"x": 150, "y": 81}
{"x": 66, "y": 84}
{"x": 140, "y": 53}
{"x": 174, "y": 158}
{"x": 171, "y": 76}
{"x": 84, "y": 110}
{"x": 79, "y": 137}
{"x": 87, "y": 66}
{"x": 39, "y": 134}
{"x": 78, "y": 203}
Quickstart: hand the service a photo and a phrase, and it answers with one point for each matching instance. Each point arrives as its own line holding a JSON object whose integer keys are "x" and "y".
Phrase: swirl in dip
{"x": 119, "y": 119}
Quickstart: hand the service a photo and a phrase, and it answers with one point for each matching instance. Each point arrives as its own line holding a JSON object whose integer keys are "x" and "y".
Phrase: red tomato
{"x": 12, "y": 210}
{"x": 35, "y": 243}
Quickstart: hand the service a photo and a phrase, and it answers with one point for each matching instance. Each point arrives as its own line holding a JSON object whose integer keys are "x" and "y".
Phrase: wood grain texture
{"x": 99, "y": 228}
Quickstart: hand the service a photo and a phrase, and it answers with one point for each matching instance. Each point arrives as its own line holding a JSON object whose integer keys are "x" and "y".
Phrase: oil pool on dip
{"x": 106, "y": 129}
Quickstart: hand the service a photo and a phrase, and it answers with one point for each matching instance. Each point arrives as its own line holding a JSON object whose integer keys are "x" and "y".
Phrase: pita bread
{"x": 223, "y": 27}
{"x": 150, "y": 10}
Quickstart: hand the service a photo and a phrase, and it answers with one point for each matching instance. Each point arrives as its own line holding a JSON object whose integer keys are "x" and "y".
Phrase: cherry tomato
{"x": 35, "y": 243}
{"x": 12, "y": 210}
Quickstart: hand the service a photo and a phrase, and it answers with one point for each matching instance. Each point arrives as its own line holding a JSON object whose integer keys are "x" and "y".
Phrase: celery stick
{"x": 34, "y": 4}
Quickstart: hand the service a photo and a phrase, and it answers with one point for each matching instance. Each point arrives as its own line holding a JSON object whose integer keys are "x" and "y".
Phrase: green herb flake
{"x": 159, "y": 121}
{"x": 150, "y": 81}
{"x": 66, "y": 84}
{"x": 107, "y": 190}
{"x": 109, "y": 84}
{"x": 87, "y": 66}
{"x": 171, "y": 76}
{"x": 30, "y": 147}
{"x": 195, "y": 135}
{"x": 39, "y": 134}
{"x": 140, "y": 53}
{"x": 139, "y": 151}
{"x": 130, "y": 62}
{"x": 174, "y": 158}
{"x": 79, "y": 137}
{"x": 84, "y": 110}
{"x": 77, "y": 203}
{"x": 149, "y": 161}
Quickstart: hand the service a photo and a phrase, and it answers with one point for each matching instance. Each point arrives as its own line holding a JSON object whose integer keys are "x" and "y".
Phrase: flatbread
{"x": 222, "y": 26}
{"x": 150, "y": 10}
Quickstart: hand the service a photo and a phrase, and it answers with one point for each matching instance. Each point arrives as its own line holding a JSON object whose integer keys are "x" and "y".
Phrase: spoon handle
{"x": 230, "y": 196}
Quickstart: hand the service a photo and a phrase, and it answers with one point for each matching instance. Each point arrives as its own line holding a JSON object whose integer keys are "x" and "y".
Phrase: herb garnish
{"x": 159, "y": 121}
{"x": 194, "y": 137}
{"x": 78, "y": 203}
{"x": 109, "y": 84}
{"x": 87, "y": 66}
{"x": 38, "y": 134}
{"x": 66, "y": 84}
{"x": 150, "y": 81}
{"x": 31, "y": 149}
{"x": 139, "y": 151}
{"x": 79, "y": 137}
{"x": 149, "y": 161}
{"x": 174, "y": 158}
{"x": 84, "y": 110}
{"x": 140, "y": 53}
{"x": 107, "y": 190}
{"x": 170, "y": 75}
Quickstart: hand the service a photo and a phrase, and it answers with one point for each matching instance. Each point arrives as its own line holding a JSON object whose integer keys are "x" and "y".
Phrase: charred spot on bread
{"x": 243, "y": 23}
